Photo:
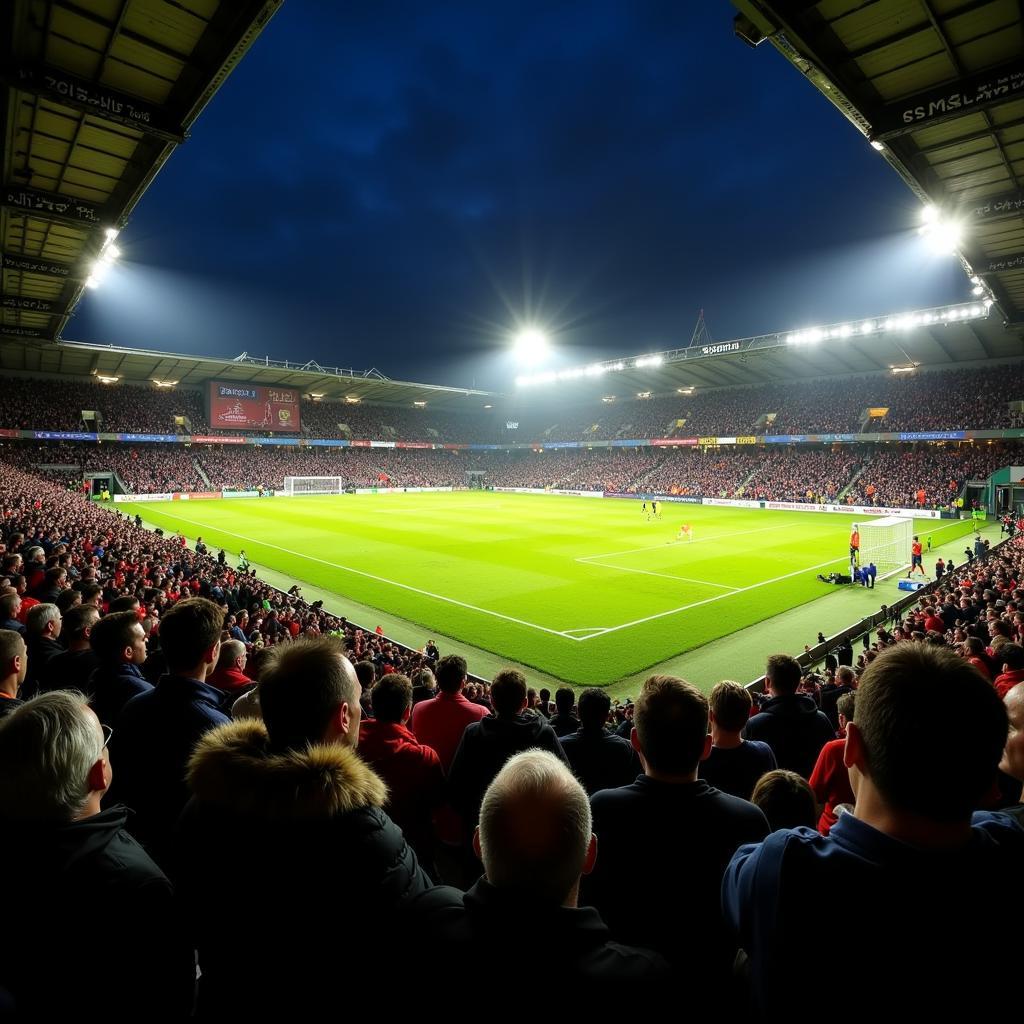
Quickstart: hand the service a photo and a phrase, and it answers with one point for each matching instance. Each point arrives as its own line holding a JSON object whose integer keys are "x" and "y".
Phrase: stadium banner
{"x": 733, "y": 502}
{"x": 253, "y": 407}
{"x": 165, "y": 438}
{"x": 324, "y": 442}
{"x": 828, "y": 438}
{"x": 206, "y": 439}
{"x": 403, "y": 490}
{"x": 785, "y": 438}
{"x": 194, "y": 495}
{"x": 413, "y": 444}
{"x": 64, "y": 435}
{"x": 9, "y": 433}
{"x": 726, "y": 440}
{"x": 933, "y": 435}
{"x": 273, "y": 440}
{"x": 854, "y": 510}
{"x": 628, "y": 444}
{"x": 239, "y": 494}
{"x": 679, "y": 499}
{"x": 541, "y": 490}
{"x": 746, "y": 439}
{"x": 141, "y": 497}
{"x": 382, "y": 444}
{"x": 689, "y": 442}
{"x": 454, "y": 447}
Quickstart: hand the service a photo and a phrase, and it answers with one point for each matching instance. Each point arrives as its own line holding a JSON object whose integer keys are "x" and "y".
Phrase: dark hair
{"x": 933, "y": 730}
{"x": 188, "y": 630}
{"x": 730, "y": 703}
{"x": 7, "y": 603}
{"x": 128, "y": 603}
{"x": 786, "y": 800}
{"x": 508, "y": 691}
{"x": 89, "y": 591}
{"x": 77, "y": 620}
{"x": 1012, "y": 655}
{"x": 112, "y": 634}
{"x": 593, "y": 707}
{"x": 67, "y": 599}
{"x": 565, "y": 700}
{"x": 391, "y": 697}
{"x": 366, "y": 673}
{"x": 450, "y": 673}
{"x": 302, "y": 684}
{"x": 671, "y": 722}
{"x": 784, "y": 673}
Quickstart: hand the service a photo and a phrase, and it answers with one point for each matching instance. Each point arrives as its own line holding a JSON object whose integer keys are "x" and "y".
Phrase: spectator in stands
{"x": 733, "y": 764}
{"x": 1012, "y": 658}
{"x": 77, "y": 865}
{"x": 13, "y": 665}
{"x": 788, "y": 722}
{"x": 288, "y": 806}
{"x": 424, "y": 686}
{"x": 486, "y": 745}
{"x": 844, "y": 682}
{"x": 10, "y": 606}
{"x": 535, "y": 841}
{"x": 158, "y": 729}
{"x": 786, "y": 800}
{"x": 119, "y": 644}
{"x": 366, "y": 673}
{"x": 600, "y": 759}
{"x": 922, "y": 754}
{"x": 42, "y": 629}
{"x": 544, "y": 707}
{"x": 411, "y": 770}
{"x": 564, "y": 722}
{"x": 71, "y": 669}
{"x": 230, "y": 672}
{"x": 1012, "y": 763}
{"x": 440, "y": 722}
{"x": 666, "y": 838}
{"x": 830, "y": 780}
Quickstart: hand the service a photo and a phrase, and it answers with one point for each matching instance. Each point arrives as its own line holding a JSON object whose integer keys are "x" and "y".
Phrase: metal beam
{"x": 26, "y": 302}
{"x": 98, "y": 101}
{"x": 961, "y": 96}
{"x": 999, "y": 264}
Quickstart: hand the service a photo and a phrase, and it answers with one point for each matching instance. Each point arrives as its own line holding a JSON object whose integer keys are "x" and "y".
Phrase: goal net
{"x": 314, "y": 485}
{"x": 886, "y": 542}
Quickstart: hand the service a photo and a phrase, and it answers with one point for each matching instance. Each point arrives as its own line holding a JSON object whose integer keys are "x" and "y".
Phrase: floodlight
{"x": 531, "y": 345}
{"x": 977, "y": 290}
{"x": 111, "y": 234}
{"x": 876, "y": 145}
{"x": 929, "y": 215}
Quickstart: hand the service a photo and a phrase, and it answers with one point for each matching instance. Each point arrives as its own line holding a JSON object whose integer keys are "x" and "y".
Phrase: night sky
{"x": 399, "y": 184}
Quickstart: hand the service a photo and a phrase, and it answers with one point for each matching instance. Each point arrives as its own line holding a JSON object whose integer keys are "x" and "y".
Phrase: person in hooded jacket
{"x": 486, "y": 745}
{"x": 92, "y": 925}
{"x": 286, "y": 812}
{"x": 789, "y": 722}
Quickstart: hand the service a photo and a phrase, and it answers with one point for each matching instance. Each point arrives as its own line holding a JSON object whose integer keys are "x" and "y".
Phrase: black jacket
{"x": 112, "y": 686}
{"x": 600, "y": 759}
{"x": 69, "y": 671}
{"x": 795, "y": 730}
{"x": 93, "y": 927}
{"x": 288, "y": 868}
{"x": 40, "y": 651}
{"x": 485, "y": 746}
{"x": 448, "y": 927}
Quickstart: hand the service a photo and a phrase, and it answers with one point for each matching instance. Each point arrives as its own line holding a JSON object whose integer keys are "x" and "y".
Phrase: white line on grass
{"x": 666, "y": 575}
{"x": 371, "y": 576}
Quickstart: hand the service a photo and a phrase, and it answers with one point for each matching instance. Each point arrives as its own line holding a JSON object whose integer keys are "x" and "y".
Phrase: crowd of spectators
{"x": 179, "y": 741}
{"x": 925, "y": 401}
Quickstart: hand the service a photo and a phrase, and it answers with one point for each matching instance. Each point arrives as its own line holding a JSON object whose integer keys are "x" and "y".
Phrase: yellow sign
{"x": 746, "y": 440}
{"x": 879, "y": 411}
{"x": 706, "y": 442}
{"x": 680, "y": 423}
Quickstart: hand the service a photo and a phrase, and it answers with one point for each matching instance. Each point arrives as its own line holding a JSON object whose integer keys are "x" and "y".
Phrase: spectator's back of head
{"x": 565, "y": 700}
{"x": 783, "y": 674}
{"x": 1012, "y": 656}
{"x": 508, "y": 692}
{"x": 535, "y": 829}
{"x": 593, "y": 708}
{"x": 190, "y": 634}
{"x": 78, "y": 622}
{"x": 42, "y": 618}
{"x": 671, "y": 723}
{"x": 929, "y": 732}
{"x": 113, "y": 637}
{"x": 124, "y": 603}
{"x": 49, "y": 750}
{"x": 392, "y": 697}
{"x": 451, "y": 673}
{"x": 845, "y": 676}
{"x": 12, "y": 646}
{"x": 366, "y": 673}
{"x": 846, "y": 705}
{"x": 730, "y": 704}
{"x": 9, "y": 605}
{"x": 230, "y": 652}
{"x": 424, "y": 678}
{"x": 786, "y": 800}
{"x": 303, "y": 685}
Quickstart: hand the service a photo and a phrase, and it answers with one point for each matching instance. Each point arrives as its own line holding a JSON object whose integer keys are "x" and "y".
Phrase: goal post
{"x": 886, "y": 542}
{"x": 297, "y": 485}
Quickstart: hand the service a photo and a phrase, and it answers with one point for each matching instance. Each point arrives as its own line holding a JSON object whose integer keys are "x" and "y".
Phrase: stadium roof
{"x": 141, "y": 366}
{"x": 95, "y": 95}
{"x": 937, "y": 87}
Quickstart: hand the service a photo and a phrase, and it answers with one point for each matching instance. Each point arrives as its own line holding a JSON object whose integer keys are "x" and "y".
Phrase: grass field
{"x": 586, "y": 590}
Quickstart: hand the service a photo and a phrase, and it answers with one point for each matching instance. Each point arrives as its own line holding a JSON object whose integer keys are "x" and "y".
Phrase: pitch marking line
{"x": 372, "y": 576}
{"x": 665, "y": 575}
{"x": 696, "y": 540}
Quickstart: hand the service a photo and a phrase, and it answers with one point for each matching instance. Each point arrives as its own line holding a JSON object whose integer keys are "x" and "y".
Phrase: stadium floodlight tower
{"x": 886, "y": 541}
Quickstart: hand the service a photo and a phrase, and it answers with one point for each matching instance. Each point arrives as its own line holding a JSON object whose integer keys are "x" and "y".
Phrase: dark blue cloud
{"x": 396, "y": 184}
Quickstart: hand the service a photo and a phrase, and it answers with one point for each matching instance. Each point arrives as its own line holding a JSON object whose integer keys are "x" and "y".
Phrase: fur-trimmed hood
{"x": 233, "y": 766}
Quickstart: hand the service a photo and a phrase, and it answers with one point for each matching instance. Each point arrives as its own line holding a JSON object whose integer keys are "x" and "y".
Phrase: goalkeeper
{"x": 685, "y": 530}
{"x": 855, "y": 545}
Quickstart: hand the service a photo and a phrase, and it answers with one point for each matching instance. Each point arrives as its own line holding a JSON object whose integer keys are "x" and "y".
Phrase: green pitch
{"x": 587, "y": 590}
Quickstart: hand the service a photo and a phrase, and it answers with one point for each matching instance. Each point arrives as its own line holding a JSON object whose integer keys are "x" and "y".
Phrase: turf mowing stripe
{"x": 697, "y": 540}
{"x": 371, "y": 576}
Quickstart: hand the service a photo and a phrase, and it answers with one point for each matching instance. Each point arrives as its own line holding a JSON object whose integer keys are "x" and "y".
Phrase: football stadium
{"x": 326, "y": 596}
